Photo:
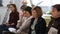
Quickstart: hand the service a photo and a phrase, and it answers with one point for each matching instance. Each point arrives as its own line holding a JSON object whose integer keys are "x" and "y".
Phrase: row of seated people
{"x": 31, "y": 21}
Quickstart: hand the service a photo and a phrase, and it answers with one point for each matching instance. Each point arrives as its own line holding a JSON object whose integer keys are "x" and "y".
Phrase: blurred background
{"x": 45, "y": 4}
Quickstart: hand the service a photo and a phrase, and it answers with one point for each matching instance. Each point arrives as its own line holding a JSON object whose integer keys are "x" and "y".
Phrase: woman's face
{"x": 27, "y": 14}
{"x": 55, "y": 13}
{"x": 34, "y": 13}
{"x": 12, "y": 8}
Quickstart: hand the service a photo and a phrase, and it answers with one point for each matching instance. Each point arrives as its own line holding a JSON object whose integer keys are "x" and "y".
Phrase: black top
{"x": 55, "y": 22}
{"x": 14, "y": 17}
{"x": 40, "y": 27}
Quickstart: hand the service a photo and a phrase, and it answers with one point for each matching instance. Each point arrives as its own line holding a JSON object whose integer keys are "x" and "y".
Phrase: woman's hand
{"x": 18, "y": 31}
{"x": 21, "y": 14}
{"x": 12, "y": 24}
{"x": 7, "y": 24}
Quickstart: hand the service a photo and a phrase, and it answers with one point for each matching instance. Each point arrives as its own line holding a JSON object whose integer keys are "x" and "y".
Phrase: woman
{"x": 14, "y": 17}
{"x": 54, "y": 24}
{"x": 22, "y": 16}
{"x": 24, "y": 28}
{"x": 38, "y": 24}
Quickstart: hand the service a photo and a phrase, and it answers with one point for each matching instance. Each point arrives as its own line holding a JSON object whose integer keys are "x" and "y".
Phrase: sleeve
{"x": 24, "y": 26}
{"x": 59, "y": 29}
{"x": 21, "y": 20}
{"x": 17, "y": 16}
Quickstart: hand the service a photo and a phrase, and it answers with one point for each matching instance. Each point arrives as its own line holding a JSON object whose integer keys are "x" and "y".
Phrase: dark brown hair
{"x": 57, "y": 6}
{"x": 28, "y": 9}
{"x": 14, "y": 7}
{"x": 38, "y": 10}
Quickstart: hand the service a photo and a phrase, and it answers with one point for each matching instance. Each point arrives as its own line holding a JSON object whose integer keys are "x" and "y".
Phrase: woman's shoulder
{"x": 41, "y": 20}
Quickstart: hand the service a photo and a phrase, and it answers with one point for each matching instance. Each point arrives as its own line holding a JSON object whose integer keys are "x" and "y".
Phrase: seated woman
{"x": 54, "y": 24}
{"x": 21, "y": 16}
{"x": 14, "y": 17}
{"x": 38, "y": 24}
{"x": 24, "y": 28}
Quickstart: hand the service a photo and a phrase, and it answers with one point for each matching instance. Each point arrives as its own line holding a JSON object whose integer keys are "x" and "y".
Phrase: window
{"x": 45, "y": 4}
{"x": 5, "y": 2}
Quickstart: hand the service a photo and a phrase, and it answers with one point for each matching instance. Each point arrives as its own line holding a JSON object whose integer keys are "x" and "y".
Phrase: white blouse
{"x": 33, "y": 26}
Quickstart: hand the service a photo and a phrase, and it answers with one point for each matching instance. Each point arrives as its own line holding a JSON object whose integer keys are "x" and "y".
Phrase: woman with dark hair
{"x": 14, "y": 15}
{"x": 24, "y": 29}
{"x": 13, "y": 18}
{"x": 38, "y": 24}
{"x": 22, "y": 17}
{"x": 54, "y": 24}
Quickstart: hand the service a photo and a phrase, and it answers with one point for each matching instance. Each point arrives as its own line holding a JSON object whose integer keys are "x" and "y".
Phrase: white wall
{"x": 2, "y": 13}
{"x": 18, "y": 4}
{"x": 55, "y": 2}
{"x": 5, "y": 2}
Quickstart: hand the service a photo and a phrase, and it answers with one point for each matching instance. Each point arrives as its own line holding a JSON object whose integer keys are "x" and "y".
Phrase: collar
{"x": 56, "y": 19}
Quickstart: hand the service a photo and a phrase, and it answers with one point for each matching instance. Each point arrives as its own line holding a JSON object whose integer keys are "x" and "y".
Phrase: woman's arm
{"x": 21, "y": 19}
{"x": 25, "y": 25}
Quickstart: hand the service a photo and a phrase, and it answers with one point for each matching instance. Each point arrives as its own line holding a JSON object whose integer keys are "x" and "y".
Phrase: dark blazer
{"x": 14, "y": 17}
{"x": 40, "y": 27}
{"x": 55, "y": 22}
